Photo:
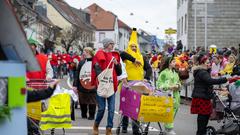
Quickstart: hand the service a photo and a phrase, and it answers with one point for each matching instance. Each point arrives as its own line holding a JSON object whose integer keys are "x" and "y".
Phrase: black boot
{"x": 92, "y": 111}
{"x": 84, "y": 110}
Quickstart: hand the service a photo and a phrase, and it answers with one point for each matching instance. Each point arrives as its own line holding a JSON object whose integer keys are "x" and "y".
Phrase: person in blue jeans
{"x": 100, "y": 61}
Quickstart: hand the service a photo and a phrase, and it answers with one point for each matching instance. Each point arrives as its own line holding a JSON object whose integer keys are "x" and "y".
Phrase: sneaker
{"x": 90, "y": 118}
{"x": 170, "y": 132}
{"x": 124, "y": 130}
{"x": 84, "y": 116}
{"x": 137, "y": 133}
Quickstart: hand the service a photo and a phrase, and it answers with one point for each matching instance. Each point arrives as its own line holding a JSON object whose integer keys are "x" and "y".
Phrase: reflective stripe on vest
{"x": 58, "y": 113}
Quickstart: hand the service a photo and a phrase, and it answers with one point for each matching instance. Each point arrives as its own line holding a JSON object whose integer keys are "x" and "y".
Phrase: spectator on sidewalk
{"x": 202, "y": 93}
{"x": 86, "y": 91}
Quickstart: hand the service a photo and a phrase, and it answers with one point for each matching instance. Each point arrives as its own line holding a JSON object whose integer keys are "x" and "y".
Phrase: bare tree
{"x": 71, "y": 37}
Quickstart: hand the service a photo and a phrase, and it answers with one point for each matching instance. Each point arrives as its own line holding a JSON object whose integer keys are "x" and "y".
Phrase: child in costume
{"x": 169, "y": 81}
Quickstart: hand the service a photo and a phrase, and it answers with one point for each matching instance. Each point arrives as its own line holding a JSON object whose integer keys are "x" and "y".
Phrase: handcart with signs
{"x": 140, "y": 101}
{"x": 35, "y": 109}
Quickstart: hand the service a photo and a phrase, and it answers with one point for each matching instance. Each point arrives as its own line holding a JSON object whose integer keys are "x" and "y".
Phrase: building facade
{"x": 66, "y": 18}
{"x": 106, "y": 24}
{"x": 124, "y": 35}
{"x": 221, "y": 26}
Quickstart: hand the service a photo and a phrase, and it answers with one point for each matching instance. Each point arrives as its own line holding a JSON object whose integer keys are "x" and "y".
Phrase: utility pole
{"x": 195, "y": 25}
{"x": 206, "y": 21}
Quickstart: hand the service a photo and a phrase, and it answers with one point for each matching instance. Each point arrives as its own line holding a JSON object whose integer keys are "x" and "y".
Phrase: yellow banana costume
{"x": 134, "y": 72}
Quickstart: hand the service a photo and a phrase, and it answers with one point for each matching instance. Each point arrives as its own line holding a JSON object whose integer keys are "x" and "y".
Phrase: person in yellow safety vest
{"x": 135, "y": 72}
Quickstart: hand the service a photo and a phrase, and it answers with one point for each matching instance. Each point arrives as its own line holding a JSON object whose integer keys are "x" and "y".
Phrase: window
{"x": 101, "y": 36}
{"x": 185, "y": 27}
{"x": 182, "y": 26}
{"x": 178, "y": 28}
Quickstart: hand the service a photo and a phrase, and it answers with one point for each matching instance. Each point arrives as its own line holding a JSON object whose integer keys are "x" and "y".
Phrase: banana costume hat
{"x": 134, "y": 72}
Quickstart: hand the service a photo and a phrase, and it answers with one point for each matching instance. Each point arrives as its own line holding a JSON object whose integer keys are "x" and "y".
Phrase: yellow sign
{"x": 170, "y": 31}
{"x": 213, "y": 50}
{"x": 156, "y": 109}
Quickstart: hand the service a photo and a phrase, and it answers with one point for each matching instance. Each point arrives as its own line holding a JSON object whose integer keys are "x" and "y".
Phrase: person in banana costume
{"x": 135, "y": 72}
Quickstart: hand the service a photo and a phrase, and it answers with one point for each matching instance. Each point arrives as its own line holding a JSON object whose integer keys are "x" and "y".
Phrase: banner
{"x": 156, "y": 109}
{"x": 129, "y": 103}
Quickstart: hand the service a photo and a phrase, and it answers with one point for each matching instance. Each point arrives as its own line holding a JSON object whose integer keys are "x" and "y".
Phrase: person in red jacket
{"x": 65, "y": 63}
{"x": 46, "y": 71}
{"x": 54, "y": 63}
{"x": 100, "y": 62}
{"x": 73, "y": 63}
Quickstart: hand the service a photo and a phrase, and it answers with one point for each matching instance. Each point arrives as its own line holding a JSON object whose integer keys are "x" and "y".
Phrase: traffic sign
{"x": 170, "y": 31}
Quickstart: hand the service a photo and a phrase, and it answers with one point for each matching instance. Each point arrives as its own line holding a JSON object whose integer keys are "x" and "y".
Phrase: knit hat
{"x": 106, "y": 42}
{"x": 32, "y": 42}
{"x": 237, "y": 83}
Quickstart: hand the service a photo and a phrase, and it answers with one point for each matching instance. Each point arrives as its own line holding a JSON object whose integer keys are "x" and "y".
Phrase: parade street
{"x": 185, "y": 123}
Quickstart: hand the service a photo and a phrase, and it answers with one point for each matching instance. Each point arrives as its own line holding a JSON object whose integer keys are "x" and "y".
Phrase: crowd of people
{"x": 64, "y": 63}
{"x": 168, "y": 70}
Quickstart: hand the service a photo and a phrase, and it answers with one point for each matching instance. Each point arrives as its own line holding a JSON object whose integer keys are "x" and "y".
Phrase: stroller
{"x": 223, "y": 112}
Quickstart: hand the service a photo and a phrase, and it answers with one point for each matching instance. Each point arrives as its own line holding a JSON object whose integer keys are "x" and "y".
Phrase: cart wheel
{"x": 211, "y": 130}
{"x": 161, "y": 133}
{"x": 118, "y": 130}
{"x": 145, "y": 131}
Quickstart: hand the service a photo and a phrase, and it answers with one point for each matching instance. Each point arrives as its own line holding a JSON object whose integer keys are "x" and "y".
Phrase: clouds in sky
{"x": 158, "y": 13}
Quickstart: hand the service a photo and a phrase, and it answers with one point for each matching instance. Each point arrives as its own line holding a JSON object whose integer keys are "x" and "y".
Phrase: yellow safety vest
{"x": 58, "y": 114}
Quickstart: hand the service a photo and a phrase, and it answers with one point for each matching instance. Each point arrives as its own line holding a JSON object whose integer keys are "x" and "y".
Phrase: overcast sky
{"x": 160, "y": 14}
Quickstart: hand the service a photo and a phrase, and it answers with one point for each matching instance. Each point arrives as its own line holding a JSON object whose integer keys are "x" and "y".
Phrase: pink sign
{"x": 129, "y": 103}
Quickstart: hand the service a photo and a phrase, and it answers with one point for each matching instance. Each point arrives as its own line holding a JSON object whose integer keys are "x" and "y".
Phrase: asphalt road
{"x": 185, "y": 123}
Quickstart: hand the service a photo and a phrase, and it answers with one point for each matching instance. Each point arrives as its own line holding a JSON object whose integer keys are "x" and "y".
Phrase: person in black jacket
{"x": 87, "y": 92}
{"x": 37, "y": 95}
{"x": 202, "y": 93}
{"x": 236, "y": 68}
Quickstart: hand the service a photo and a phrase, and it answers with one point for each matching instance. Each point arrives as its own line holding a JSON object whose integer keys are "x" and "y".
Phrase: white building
{"x": 124, "y": 34}
{"x": 106, "y": 24}
{"x": 220, "y": 28}
{"x": 66, "y": 17}
{"x": 182, "y": 22}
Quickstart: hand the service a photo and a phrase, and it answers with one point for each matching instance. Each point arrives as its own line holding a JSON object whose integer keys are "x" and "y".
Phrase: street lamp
{"x": 195, "y": 24}
{"x": 206, "y": 21}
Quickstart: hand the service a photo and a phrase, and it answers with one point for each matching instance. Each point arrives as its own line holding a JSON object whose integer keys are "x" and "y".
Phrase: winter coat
{"x": 236, "y": 70}
{"x": 38, "y": 95}
{"x": 203, "y": 83}
{"x": 77, "y": 80}
{"x": 100, "y": 62}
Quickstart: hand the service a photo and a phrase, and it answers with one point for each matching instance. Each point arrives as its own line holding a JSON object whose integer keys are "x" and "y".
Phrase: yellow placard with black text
{"x": 156, "y": 109}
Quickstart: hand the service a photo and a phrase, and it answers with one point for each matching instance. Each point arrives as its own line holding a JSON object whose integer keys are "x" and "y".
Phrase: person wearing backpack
{"x": 86, "y": 91}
